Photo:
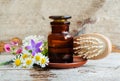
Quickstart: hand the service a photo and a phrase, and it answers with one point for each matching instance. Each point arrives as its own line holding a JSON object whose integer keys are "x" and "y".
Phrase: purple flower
{"x": 34, "y": 48}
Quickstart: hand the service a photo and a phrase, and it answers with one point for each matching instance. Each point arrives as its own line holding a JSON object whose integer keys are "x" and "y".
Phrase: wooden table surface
{"x": 107, "y": 69}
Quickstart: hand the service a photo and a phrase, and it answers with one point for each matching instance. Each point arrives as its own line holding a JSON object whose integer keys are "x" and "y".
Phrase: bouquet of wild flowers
{"x": 33, "y": 51}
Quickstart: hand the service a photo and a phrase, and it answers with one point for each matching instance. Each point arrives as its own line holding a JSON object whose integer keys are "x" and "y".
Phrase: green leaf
{"x": 45, "y": 51}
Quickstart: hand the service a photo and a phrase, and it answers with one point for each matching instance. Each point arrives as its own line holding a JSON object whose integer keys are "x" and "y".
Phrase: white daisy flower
{"x": 24, "y": 56}
{"x": 44, "y": 61}
{"x": 37, "y": 58}
{"x": 28, "y": 63}
{"x": 17, "y": 62}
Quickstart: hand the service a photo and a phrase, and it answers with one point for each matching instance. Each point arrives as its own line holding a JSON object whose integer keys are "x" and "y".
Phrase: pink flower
{"x": 7, "y": 47}
{"x": 19, "y": 51}
{"x": 14, "y": 43}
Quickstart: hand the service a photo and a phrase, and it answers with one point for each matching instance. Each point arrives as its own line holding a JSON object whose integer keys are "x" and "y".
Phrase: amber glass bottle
{"x": 60, "y": 42}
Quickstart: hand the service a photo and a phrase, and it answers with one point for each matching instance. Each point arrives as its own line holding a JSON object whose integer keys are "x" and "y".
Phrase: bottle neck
{"x": 60, "y": 28}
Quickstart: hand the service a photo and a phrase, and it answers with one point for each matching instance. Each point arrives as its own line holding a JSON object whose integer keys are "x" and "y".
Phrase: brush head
{"x": 92, "y": 46}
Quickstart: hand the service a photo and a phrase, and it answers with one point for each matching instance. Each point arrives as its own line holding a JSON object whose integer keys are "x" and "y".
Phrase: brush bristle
{"x": 92, "y": 46}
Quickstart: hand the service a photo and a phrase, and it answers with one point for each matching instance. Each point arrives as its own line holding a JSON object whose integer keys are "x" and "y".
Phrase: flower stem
{"x": 6, "y": 63}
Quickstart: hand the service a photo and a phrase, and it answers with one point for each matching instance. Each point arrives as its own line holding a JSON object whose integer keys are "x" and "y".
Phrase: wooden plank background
{"x": 106, "y": 69}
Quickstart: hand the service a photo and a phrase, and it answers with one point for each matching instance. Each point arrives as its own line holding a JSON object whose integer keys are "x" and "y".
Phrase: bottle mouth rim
{"x": 59, "y": 17}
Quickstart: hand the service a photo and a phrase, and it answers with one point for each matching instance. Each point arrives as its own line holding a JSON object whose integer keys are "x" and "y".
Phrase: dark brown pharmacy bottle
{"x": 60, "y": 42}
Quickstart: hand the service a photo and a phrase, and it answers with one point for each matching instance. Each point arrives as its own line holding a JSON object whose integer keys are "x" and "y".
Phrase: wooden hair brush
{"x": 92, "y": 46}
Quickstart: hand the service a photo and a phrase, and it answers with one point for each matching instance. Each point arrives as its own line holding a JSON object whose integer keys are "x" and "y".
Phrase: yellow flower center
{"x": 43, "y": 61}
{"x": 32, "y": 56}
{"x": 24, "y": 56}
{"x": 37, "y": 57}
{"x": 29, "y": 61}
{"x": 17, "y": 62}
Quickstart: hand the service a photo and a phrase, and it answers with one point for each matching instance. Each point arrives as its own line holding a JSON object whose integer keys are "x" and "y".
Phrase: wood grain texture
{"x": 116, "y": 48}
{"x": 107, "y": 69}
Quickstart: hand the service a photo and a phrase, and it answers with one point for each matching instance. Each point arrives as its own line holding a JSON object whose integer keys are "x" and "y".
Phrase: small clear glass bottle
{"x": 60, "y": 42}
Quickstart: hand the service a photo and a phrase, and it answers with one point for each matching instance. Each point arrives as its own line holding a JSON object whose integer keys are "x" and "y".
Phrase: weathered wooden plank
{"x": 107, "y": 69}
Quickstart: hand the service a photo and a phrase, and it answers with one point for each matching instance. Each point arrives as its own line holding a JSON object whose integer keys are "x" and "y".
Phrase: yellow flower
{"x": 17, "y": 62}
{"x": 28, "y": 63}
{"x": 24, "y": 56}
{"x": 37, "y": 58}
{"x": 44, "y": 61}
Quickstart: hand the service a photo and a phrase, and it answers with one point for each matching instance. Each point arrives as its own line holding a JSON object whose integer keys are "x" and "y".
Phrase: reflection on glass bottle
{"x": 60, "y": 42}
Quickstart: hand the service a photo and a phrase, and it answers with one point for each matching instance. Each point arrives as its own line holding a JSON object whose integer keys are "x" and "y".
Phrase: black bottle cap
{"x": 59, "y": 17}
{"x": 59, "y": 20}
